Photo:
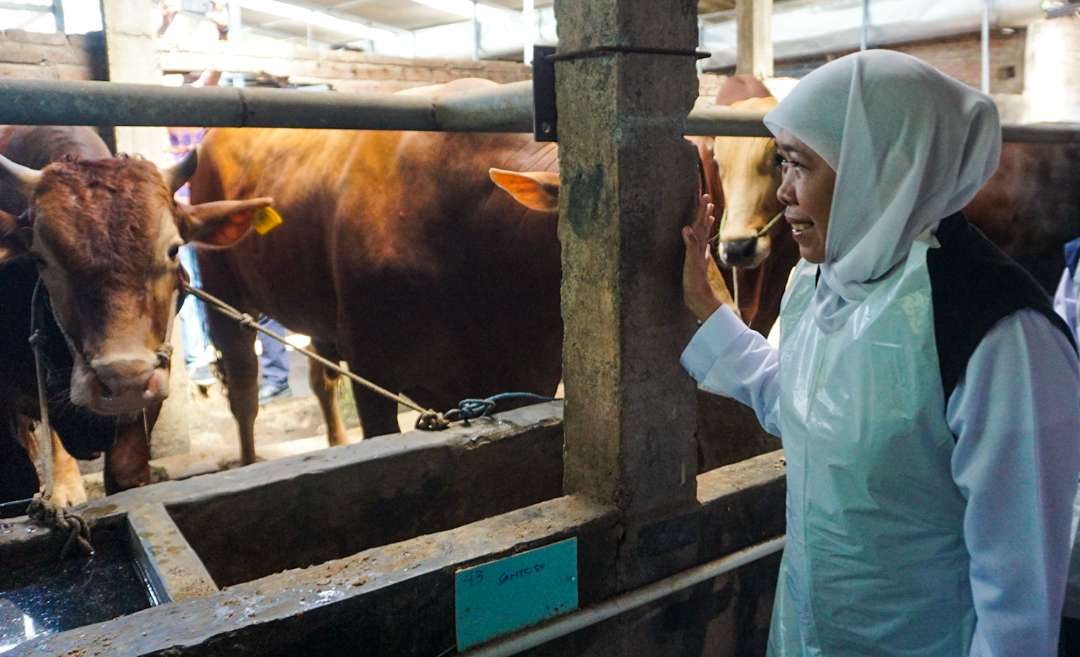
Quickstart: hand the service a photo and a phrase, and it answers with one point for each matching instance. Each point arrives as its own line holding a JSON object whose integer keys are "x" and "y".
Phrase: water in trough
{"x": 51, "y": 597}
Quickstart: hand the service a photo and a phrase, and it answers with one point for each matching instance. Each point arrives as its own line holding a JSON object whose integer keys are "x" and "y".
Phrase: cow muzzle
{"x": 747, "y": 252}
{"x": 116, "y": 385}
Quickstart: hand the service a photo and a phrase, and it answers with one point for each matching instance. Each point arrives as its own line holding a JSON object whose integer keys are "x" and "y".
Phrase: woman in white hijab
{"x": 924, "y": 390}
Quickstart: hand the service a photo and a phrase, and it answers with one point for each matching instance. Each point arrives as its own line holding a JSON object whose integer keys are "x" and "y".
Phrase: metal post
{"x": 528, "y": 19}
{"x": 985, "y": 47}
{"x": 58, "y": 15}
{"x": 864, "y": 41}
{"x": 476, "y": 32}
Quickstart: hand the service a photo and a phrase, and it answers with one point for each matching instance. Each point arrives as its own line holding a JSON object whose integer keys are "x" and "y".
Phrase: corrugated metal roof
{"x": 405, "y": 14}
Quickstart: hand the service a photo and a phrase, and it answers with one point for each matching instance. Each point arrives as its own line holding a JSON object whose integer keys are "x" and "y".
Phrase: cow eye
{"x": 174, "y": 252}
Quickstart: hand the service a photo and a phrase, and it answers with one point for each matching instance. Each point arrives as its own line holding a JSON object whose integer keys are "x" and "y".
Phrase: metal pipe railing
{"x": 506, "y": 108}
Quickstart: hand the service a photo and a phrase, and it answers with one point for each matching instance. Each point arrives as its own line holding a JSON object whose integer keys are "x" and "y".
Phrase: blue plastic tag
{"x": 504, "y": 596}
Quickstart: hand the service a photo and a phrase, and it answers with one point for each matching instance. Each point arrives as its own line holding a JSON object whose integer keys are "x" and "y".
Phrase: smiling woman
{"x": 931, "y": 455}
{"x": 806, "y": 190}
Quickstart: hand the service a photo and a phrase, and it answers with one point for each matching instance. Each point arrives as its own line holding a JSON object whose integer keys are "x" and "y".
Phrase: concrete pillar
{"x": 753, "y": 19}
{"x": 628, "y": 184}
{"x": 131, "y": 52}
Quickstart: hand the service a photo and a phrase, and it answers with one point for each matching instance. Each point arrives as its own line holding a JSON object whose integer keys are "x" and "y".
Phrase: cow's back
{"x": 398, "y": 248}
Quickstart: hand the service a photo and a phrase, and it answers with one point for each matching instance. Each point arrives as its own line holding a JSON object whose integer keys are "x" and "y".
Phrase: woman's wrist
{"x": 703, "y": 304}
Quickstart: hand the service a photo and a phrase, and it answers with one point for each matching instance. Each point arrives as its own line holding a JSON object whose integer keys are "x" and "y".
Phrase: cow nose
{"x": 739, "y": 251}
{"x": 120, "y": 375}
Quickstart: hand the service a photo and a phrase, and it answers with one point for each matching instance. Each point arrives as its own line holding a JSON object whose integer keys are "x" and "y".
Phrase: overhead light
{"x": 464, "y": 9}
{"x": 315, "y": 19}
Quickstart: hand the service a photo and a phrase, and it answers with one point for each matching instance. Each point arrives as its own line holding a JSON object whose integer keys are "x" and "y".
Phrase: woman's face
{"x": 806, "y": 188}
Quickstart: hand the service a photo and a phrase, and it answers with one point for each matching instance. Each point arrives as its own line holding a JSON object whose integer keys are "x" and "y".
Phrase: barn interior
{"x": 669, "y": 500}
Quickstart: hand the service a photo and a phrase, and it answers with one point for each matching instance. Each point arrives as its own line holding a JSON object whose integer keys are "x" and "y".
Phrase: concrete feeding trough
{"x": 40, "y": 596}
{"x": 357, "y": 548}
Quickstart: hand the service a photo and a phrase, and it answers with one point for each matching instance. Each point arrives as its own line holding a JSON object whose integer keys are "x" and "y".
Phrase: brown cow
{"x": 101, "y": 233}
{"x": 396, "y": 254}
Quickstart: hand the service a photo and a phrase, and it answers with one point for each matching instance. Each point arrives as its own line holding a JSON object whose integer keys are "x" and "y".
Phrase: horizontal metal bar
{"x": 717, "y": 122}
{"x": 506, "y": 108}
{"x": 1042, "y": 133}
{"x": 45, "y": 102}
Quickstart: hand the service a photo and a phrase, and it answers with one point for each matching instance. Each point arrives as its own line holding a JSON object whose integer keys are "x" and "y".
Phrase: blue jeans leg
{"x": 193, "y": 333}
{"x": 274, "y": 360}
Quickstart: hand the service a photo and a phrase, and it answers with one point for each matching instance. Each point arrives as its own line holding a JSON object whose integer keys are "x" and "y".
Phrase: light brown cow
{"x": 756, "y": 257}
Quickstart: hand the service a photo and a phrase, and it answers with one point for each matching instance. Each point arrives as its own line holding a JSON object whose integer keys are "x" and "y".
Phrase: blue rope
{"x": 471, "y": 409}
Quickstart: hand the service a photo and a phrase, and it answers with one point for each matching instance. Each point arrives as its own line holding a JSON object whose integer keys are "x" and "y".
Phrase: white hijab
{"x": 910, "y": 147}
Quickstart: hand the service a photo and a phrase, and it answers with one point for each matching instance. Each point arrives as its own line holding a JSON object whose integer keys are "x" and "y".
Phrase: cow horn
{"x": 26, "y": 178}
{"x": 179, "y": 173}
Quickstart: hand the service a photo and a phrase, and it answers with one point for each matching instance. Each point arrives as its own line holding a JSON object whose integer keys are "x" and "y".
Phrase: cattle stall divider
{"x": 178, "y": 509}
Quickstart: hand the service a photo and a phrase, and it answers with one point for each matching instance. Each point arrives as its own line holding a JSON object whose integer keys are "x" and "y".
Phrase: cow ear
{"x": 536, "y": 190}
{"x": 219, "y": 223}
{"x": 11, "y": 243}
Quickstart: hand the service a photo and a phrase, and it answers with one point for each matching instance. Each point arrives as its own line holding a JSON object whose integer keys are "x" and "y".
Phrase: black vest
{"x": 974, "y": 285}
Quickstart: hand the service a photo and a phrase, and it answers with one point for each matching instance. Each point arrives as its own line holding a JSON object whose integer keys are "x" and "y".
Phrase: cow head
{"x": 105, "y": 235}
{"x": 749, "y": 179}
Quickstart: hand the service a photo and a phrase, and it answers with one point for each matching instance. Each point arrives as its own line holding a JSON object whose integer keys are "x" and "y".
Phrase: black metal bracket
{"x": 545, "y": 116}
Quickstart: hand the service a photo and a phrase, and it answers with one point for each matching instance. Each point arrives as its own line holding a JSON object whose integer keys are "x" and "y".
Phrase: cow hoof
{"x": 69, "y": 493}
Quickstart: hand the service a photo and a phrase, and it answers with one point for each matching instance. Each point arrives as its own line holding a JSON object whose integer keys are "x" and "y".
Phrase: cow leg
{"x": 68, "y": 489}
{"x": 127, "y": 462}
{"x": 324, "y": 384}
{"x": 241, "y": 369}
{"x": 378, "y": 415}
{"x": 18, "y": 477}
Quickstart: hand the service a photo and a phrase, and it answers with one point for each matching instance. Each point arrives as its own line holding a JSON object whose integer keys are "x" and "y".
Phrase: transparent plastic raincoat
{"x": 917, "y": 525}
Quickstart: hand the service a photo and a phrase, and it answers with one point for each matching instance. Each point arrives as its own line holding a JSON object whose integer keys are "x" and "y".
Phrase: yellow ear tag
{"x": 266, "y": 219}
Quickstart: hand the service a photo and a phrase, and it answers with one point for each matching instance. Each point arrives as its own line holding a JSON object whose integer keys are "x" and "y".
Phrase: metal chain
{"x": 429, "y": 420}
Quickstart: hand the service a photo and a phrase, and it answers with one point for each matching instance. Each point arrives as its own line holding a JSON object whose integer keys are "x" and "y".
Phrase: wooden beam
{"x": 755, "y": 50}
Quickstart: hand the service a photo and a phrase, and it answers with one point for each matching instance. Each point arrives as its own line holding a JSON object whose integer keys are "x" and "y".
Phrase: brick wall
{"x": 38, "y": 56}
{"x": 958, "y": 56}
{"x": 961, "y": 58}
{"x": 342, "y": 70}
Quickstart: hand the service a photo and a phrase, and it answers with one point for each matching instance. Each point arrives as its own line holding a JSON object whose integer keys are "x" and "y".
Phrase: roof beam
{"x": 465, "y": 8}
{"x": 319, "y": 19}
{"x": 22, "y": 6}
